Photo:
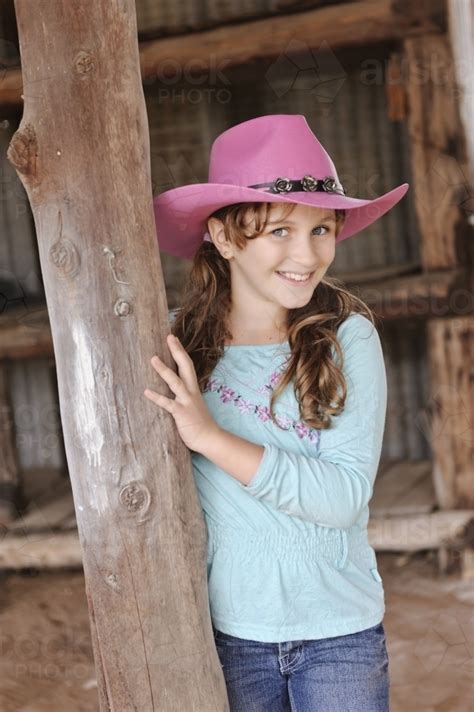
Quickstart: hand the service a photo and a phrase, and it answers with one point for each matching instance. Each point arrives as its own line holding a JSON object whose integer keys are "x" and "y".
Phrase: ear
{"x": 216, "y": 231}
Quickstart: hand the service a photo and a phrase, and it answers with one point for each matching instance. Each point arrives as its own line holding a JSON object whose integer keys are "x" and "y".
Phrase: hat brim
{"x": 181, "y": 213}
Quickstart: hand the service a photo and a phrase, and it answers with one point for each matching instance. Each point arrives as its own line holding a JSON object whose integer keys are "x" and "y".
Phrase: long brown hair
{"x": 200, "y": 323}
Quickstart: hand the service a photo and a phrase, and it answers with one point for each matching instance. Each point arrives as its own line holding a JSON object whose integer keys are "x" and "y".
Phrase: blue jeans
{"x": 347, "y": 673}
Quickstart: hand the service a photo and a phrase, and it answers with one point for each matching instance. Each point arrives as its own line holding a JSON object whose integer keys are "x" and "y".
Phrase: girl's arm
{"x": 333, "y": 488}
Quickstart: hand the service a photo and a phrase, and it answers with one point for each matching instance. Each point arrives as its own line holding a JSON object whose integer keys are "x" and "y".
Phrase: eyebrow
{"x": 291, "y": 222}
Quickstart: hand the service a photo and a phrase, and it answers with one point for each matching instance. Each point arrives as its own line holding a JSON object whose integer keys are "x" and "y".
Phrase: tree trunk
{"x": 82, "y": 152}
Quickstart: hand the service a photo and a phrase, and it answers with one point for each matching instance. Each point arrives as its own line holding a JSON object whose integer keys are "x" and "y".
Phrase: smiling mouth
{"x": 294, "y": 280}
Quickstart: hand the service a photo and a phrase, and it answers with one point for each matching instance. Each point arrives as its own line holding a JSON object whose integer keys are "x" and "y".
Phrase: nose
{"x": 305, "y": 252}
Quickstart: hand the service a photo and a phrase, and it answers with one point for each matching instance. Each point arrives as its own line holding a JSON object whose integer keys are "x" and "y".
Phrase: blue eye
{"x": 279, "y": 229}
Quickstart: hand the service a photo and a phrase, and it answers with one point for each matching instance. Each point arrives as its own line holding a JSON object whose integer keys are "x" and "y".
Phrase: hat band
{"x": 307, "y": 183}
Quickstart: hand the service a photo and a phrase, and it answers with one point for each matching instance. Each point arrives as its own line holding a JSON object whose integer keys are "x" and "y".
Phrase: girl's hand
{"x": 189, "y": 410}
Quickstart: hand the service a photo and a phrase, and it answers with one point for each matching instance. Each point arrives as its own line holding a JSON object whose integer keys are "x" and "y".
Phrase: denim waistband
{"x": 319, "y": 543}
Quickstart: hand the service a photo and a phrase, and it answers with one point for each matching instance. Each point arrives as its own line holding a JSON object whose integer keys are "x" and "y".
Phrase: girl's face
{"x": 303, "y": 243}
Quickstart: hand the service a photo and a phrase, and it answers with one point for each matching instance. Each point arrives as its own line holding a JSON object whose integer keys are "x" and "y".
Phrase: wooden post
{"x": 451, "y": 434}
{"x": 438, "y": 152}
{"x": 441, "y": 187}
{"x": 9, "y": 466}
{"x": 82, "y": 152}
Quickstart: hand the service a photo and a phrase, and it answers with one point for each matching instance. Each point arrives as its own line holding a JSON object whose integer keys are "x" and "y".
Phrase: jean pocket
{"x": 377, "y": 630}
{"x": 374, "y": 640}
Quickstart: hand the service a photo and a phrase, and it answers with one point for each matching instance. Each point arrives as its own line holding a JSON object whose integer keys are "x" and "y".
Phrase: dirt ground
{"x": 46, "y": 661}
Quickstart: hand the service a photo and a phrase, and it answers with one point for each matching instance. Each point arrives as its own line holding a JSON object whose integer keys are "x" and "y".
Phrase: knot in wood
{"x": 84, "y": 62}
{"x": 65, "y": 257}
{"x": 122, "y": 308}
{"x": 135, "y": 497}
{"x": 23, "y": 150}
{"x": 112, "y": 580}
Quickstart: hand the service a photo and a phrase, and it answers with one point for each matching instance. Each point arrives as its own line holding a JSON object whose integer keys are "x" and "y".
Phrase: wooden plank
{"x": 438, "y": 152}
{"x": 41, "y": 550}
{"x": 467, "y": 564}
{"x": 417, "y": 296}
{"x": 332, "y": 26}
{"x": 451, "y": 409}
{"x": 377, "y": 274}
{"x": 9, "y": 465}
{"x": 54, "y": 550}
{"x": 419, "y": 532}
{"x": 391, "y": 297}
{"x": 25, "y": 333}
{"x": 460, "y": 27}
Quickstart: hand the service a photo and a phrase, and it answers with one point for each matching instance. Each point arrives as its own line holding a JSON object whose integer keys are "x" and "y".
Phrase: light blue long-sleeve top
{"x": 288, "y": 555}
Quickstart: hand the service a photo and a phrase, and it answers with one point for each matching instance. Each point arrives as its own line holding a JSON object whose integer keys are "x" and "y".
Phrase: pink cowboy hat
{"x": 274, "y": 158}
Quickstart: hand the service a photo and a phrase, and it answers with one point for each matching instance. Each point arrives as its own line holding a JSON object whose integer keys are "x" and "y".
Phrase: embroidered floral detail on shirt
{"x": 272, "y": 381}
{"x": 228, "y": 395}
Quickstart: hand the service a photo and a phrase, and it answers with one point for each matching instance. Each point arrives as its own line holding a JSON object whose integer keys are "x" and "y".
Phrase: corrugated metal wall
{"x": 168, "y": 16}
{"x": 36, "y": 414}
{"x": 404, "y": 347}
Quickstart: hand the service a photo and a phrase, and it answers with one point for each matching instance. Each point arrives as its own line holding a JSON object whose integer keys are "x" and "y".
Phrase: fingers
{"x": 168, "y": 375}
{"x": 184, "y": 362}
{"x": 159, "y": 399}
{"x": 174, "y": 380}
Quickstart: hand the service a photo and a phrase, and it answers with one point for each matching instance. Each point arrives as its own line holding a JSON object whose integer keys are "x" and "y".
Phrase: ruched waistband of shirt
{"x": 320, "y": 543}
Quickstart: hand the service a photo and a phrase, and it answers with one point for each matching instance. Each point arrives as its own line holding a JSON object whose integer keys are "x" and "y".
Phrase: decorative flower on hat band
{"x": 307, "y": 183}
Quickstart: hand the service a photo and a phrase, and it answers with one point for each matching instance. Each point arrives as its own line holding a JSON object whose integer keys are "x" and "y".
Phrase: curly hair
{"x": 201, "y": 321}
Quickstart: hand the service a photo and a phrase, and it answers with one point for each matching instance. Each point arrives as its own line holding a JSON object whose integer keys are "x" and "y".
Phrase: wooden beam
{"x": 460, "y": 27}
{"x": 438, "y": 153}
{"x": 25, "y": 334}
{"x": 333, "y": 26}
{"x": 421, "y": 531}
{"x": 418, "y": 296}
{"x": 82, "y": 153}
{"x": 58, "y": 549}
{"x": 9, "y": 465}
{"x": 450, "y": 430}
{"x": 391, "y": 295}
{"x": 41, "y": 550}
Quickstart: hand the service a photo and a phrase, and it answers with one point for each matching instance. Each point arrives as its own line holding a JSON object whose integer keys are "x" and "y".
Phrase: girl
{"x": 281, "y": 397}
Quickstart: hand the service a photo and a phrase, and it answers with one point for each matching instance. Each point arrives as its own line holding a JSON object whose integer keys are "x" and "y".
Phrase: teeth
{"x": 296, "y": 277}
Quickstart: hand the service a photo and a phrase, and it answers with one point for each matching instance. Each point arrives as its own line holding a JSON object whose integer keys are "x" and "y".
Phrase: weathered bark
{"x": 82, "y": 153}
